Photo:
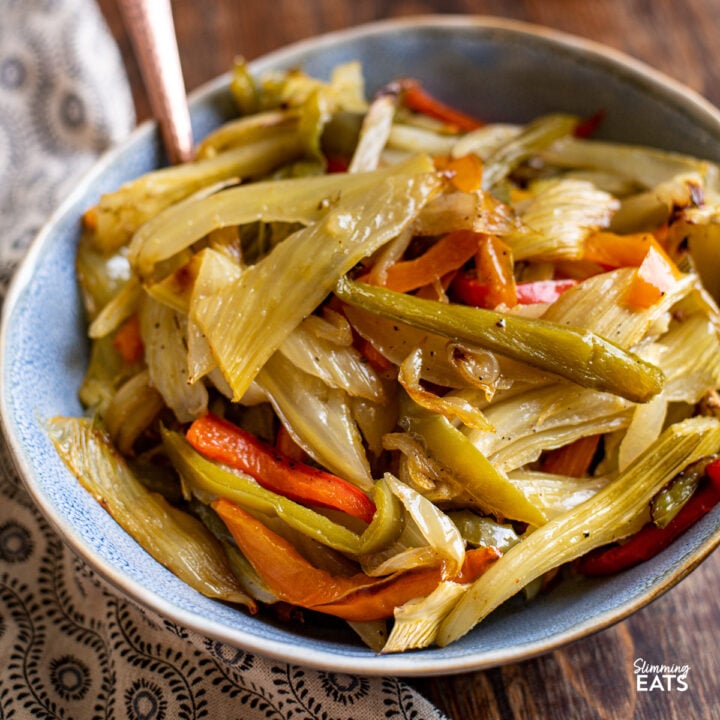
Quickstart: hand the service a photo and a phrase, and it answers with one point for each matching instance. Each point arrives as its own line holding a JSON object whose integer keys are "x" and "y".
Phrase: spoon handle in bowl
{"x": 152, "y": 33}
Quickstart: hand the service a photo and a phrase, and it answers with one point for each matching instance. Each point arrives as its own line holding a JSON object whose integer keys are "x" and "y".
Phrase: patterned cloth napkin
{"x": 69, "y": 647}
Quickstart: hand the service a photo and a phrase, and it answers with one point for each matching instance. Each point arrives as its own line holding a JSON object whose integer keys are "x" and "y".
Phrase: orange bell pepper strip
{"x": 494, "y": 263}
{"x": 465, "y": 172}
{"x": 437, "y": 289}
{"x": 355, "y": 598}
{"x": 655, "y": 274}
{"x": 220, "y": 440}
{"x": 378, "y": 602}
{"x": 574, "y": 459}
{"x": 654, "y": 277}
{"x": 613, "y": 250}
{"x": 416, "y": 98}
{"x": 128, "y": 340}
{"x": 447, "y": 254}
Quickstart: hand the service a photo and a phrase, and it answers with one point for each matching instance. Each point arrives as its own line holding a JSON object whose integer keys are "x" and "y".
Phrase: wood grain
{"x": 592, "y": 678}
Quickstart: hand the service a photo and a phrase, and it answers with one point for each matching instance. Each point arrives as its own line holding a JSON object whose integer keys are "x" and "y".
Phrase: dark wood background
{"x": 592, "y": 678}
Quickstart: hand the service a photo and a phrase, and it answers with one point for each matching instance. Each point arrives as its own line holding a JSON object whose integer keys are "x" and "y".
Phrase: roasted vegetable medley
{"x": 385, "y": 361}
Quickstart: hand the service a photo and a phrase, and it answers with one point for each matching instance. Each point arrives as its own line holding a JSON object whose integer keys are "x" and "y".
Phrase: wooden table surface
{"x": 592, "y": 678}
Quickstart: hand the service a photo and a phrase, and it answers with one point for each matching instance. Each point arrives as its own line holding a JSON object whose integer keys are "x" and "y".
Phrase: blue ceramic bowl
{"x": 500, "y": 71}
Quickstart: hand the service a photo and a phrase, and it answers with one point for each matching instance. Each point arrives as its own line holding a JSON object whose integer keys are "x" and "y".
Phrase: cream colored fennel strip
{"x": 319, "y": 418}
{"x": 121, "y": 213}
{"x": 173, "y": 537}
{"x": 303, "y": 200}
{"x": 248, "y": 320}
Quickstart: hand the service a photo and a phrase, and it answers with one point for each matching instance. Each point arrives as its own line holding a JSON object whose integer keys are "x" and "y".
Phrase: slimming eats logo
{"x": 665, "y": 678}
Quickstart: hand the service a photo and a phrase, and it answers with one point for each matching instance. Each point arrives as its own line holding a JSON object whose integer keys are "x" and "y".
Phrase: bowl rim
{"x": 406, "y": 664}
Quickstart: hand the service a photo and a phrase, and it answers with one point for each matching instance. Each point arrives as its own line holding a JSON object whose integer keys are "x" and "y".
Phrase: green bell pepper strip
{"x": 492, "y": 491}
{"x": 215, "y": 480}
{"x": 573, "y": 353}
{"x": 672, "y": 498}
{"x": 481, "y": 531}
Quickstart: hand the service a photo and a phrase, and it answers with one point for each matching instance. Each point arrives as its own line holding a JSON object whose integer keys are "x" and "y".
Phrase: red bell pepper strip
{"x": 377, "y": 360}
{"x": 286, "y": 445}
{"x": 469, "y": 290}
{"x": 652, "y": 540}
{"x": 416, "y": 98}
{"x": 587, "y": 127}
{"x": 220, "y": 440}
{"x": 336, "y": 164}
{"x": 712, "y": 470}
{"x": 358, "y": 597}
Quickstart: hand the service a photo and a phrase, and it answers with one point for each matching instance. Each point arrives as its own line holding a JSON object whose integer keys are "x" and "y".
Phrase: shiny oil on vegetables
{"x": 380, "y": 360}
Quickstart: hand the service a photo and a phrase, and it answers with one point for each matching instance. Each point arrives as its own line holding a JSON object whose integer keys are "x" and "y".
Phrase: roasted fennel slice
{"x": 174, "y": 538}
{"x": 318, "y": 417}
{"x": 245, "y": 322}
{"x": 616, "y": 511}
{"x": 292, "y": 200}
{"x": 119, "y": 214}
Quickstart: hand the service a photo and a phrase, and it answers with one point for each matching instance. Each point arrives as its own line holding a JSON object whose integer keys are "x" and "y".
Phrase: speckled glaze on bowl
{"x": 497, "y": 69}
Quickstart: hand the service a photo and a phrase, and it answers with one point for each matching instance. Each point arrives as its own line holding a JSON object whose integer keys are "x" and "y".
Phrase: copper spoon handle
{"x": 152, "y": 32}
